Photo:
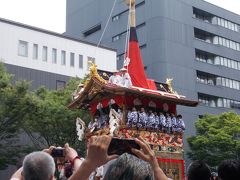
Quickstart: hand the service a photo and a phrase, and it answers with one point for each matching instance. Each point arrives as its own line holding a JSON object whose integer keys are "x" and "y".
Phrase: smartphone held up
{"x": 120, "y": 146}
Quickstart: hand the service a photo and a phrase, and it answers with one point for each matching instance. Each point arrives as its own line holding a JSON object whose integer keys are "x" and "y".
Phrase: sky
{"x": 51, "y": 14}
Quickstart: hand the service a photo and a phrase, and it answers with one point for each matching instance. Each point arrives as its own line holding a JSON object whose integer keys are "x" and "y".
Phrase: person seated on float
{"x": 157, "y": 123}
{"x": 132, "y": 118}
{"x": 143, "y": 118}
{"x": 116, "y": 78}
{"x": 126, "y": 79}
{"x": 162, "y": 121}
{"x": 129, "y": 122}
{"x": 180, "y": 125}
{"x": 168, "y": 125}
{"x": 124, "y": 167}
{"x": 151, "y": 120}
{"x": 174, "y": 122}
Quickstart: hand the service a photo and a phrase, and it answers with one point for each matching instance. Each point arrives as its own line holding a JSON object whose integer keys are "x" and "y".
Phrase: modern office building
{"x": 48, "y": 58}
{"x": 192, "y": 41}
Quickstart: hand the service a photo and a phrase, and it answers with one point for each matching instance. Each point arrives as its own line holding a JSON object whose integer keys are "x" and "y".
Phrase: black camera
{"x": 58, "y": 152}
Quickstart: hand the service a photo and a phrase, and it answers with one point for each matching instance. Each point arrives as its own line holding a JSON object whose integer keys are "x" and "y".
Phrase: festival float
{"x": 125, "y": 104}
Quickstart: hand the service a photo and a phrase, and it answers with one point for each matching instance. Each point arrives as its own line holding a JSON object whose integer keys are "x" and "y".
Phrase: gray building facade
{"x": 192, "y": 41}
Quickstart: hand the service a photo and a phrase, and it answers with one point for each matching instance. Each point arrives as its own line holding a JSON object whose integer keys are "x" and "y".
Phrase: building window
{"x": 92, "y": 30}
{"x": 22, "y": 48}
{"x": 210, "y": 58}
{"x": 227, "y": 24}
{"x": 115, "y": 38}
{"x": 60, "y": 85}
{"x": 72, "y": 59}
{"x": 214, "y": 39}
{"x": 63, "y": 57}
{"x": 215, "y": 80}
{"x": 80, "y": 61}
{"x": 143, "y": 46}
{"x": 92, "y": 59}
{"x": 214, "y": 101}
{"x": 35, "y": 51}
{"x": 202, "y": 15}
{"x": 54, "y": 56}
{"x": 115, "y": 18}
{"x": 44, "y": 53}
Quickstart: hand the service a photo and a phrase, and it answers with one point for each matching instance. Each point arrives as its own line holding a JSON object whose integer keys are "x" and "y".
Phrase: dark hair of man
{"x": 198, "y": 170}
{"x": 129, "y": 167}
{"x": 229, "y": 170}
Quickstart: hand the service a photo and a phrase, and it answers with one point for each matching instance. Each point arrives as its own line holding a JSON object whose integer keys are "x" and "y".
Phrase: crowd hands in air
{"x": 41, "y": 165}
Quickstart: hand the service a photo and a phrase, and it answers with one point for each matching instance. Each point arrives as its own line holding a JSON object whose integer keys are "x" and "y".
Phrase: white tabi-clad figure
{"x": 113, "y": 121}
{"x": 168, "y": 123}
{"x": 151, "y": 120}
{"x": 157, "y": 121}
{"x": 80, "y": 127}
{"x": 180, "y": 125}
{"x": 143, "y": 118}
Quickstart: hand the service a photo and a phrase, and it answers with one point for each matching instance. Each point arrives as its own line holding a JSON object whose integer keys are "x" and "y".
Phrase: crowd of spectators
{"x": 144, "y": 165}
{"x": 227, "y": 170}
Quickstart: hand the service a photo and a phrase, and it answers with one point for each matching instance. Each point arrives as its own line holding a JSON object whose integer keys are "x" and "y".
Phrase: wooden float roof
{"x": 97, "y": 89}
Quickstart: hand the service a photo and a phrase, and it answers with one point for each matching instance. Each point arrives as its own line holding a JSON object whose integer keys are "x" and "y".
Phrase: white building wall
{"x": 10, "y": 35}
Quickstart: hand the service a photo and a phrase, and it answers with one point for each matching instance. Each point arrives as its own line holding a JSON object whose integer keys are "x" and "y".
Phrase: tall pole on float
{"x": 131, "y": 24}
{"x": 131, "y": 3}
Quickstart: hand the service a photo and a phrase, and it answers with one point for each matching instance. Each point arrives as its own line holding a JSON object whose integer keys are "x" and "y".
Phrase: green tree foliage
{"x": 217, "y": 138}
{"x": 52, "y": 122}
{"x": 43, "y": 115}
{"x": 14, "y": 103}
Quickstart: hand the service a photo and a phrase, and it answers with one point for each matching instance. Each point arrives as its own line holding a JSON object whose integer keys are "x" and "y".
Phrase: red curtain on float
{"x": 173, "y": 168}
{"x": 136, "y": 67}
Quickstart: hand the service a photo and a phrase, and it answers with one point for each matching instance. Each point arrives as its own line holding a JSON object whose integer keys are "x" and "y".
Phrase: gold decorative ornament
{"x": 169, "y": 83}
{"x": 94, "y": 73}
